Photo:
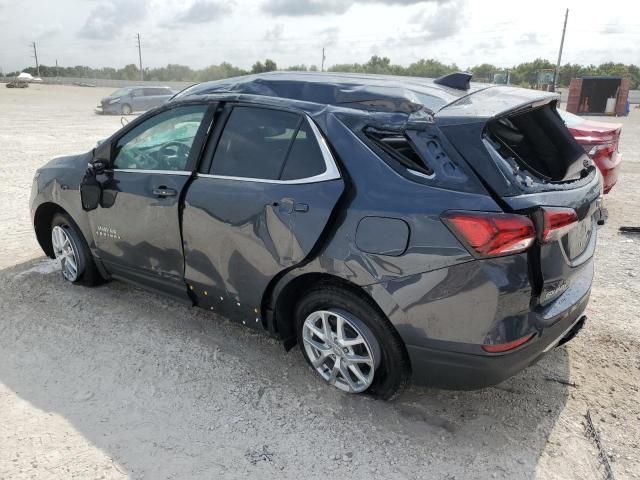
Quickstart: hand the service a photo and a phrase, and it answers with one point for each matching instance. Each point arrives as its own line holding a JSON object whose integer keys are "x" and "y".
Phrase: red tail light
{"x": 491, "y": 234}
{"x": 557, "y": 222}
{"x": 505, "y": 347}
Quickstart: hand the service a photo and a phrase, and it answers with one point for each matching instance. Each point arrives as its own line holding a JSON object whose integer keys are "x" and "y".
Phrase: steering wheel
{"x": 138, "y": 159}
{"x": 173, "y": 149}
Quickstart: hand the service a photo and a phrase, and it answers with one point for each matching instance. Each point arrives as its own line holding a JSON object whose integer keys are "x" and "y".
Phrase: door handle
{"x": 163, "y": 191}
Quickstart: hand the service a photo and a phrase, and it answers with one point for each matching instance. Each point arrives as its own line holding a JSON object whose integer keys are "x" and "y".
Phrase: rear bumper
{"x": 461, "y": 371}
{"x": 445, "y": 316}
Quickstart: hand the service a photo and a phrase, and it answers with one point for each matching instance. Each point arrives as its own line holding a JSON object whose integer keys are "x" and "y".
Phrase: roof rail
{"x": 458, "y": 80}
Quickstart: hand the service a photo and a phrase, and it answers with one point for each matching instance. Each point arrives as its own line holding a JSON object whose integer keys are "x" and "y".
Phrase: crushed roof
{"x": 375, "y": 92}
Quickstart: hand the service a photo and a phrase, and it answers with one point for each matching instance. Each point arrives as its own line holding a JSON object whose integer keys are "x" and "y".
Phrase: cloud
{"x": 446, "y": 21}
{"x": 46, "y": 31}
{"x": 612, "y": 29}
{"x": 274, "y": 34}
{"x": 109, "y": 18}
{"x": 530, "y": 38}
{"x": 203, "y": 11}
{"x": 328, "y": 36}
{"x": 297, "y": 8}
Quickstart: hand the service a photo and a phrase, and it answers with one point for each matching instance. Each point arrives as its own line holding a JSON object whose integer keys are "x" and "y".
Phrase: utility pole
{"x": 57, "y": 67}
{"x": 323, "y": 59}
{"x": 35, "y": 55}
{"x": 140, "y": 57}
{"x": 556, "y": 74}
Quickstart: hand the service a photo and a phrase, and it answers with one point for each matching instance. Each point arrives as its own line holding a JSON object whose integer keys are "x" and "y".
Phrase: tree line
{"x": 523, "y": 74}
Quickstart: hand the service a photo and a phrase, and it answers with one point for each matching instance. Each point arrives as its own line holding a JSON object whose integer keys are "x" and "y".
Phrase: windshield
{"x": 120, "y": 92}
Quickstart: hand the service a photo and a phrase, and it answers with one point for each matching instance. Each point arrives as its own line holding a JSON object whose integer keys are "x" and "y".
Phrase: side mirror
{"x": 90, "y": 192}
{"x": 90, "y": 187}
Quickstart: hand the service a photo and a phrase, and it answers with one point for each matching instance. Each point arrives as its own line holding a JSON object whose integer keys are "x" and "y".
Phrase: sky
{"x": 198, "y": 33}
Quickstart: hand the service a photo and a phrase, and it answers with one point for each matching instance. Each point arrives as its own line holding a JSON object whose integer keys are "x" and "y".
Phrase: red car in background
{"x": 600, "y": 141}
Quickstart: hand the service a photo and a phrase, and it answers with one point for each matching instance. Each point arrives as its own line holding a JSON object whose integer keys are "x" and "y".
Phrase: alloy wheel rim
{"x": 341, "y": 349}
{"x": 65, "y": 253}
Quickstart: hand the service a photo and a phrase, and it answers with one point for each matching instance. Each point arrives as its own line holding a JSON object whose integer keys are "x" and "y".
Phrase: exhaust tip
{"x": 574, "y": 330}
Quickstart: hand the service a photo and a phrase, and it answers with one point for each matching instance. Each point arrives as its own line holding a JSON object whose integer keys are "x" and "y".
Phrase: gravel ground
{"x": 114, "y": 382}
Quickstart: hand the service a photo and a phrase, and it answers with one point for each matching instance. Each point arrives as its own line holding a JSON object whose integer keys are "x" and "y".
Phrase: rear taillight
{"x": 557, "y": 221}
{"x": 505, "y": 347}
{"x": 491, "y": 234}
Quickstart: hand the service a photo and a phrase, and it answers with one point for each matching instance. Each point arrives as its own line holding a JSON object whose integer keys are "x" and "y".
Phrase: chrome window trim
{"x": 420, "y": 174}
{"x": 331, "y": 171}
{"x": 163, "y": 172}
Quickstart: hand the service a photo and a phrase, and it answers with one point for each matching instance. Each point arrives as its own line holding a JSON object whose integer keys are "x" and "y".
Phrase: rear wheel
{"x": 72, "y": 251}
{"x": 126, "y": 109}
{"x": 350, "y": 344}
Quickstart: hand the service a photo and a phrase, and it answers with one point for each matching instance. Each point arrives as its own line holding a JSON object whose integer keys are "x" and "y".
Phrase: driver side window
{"x": 162, "y": 142}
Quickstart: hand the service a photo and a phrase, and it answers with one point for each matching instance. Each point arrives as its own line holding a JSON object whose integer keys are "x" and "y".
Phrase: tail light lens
{"x": 505, "y": 347}
{"x": 491, "y": 234}
{"x": 557, "y": 222}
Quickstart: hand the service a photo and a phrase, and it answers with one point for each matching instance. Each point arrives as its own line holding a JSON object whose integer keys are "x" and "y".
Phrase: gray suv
{"x": 134, "y": 99}
{"x": 391, "y": 227}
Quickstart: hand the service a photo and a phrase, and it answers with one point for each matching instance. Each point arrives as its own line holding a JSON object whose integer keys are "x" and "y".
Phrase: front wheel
{"x": 72, "y": 252}
{"x": 350, "y": 344}
{"x": 126, "y": 109}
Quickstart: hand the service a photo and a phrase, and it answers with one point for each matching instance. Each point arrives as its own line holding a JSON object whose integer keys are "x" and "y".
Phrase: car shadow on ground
{"x": 170, "y": 391}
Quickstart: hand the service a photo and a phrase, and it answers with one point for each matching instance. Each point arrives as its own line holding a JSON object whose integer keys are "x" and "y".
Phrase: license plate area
{"x": 578, "y": 238}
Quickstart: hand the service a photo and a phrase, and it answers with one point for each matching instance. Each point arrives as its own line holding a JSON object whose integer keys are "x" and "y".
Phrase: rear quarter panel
{"x": 422, "y": 289}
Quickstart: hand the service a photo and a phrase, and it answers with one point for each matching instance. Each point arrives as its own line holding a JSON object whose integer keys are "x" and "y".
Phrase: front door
{"x": 260, "y": 209}
{"x": 137, "y": 226}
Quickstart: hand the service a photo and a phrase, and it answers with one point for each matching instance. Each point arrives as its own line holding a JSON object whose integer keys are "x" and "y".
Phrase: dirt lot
{"x": 114, "y": 382}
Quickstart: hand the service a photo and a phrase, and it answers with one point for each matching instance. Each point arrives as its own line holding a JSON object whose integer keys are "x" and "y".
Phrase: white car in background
{"x": 27, "y": 77}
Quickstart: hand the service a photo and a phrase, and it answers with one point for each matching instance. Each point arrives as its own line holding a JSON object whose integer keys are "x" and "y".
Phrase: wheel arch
{"x": 42, "y": 225}
{"x": 279, "y": 304}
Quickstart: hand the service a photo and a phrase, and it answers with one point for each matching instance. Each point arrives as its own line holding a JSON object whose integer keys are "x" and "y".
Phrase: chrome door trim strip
{"x": 163, "y": 172}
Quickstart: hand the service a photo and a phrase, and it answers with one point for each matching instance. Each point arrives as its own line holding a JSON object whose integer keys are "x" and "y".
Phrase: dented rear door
{"x": 241, "y": 226}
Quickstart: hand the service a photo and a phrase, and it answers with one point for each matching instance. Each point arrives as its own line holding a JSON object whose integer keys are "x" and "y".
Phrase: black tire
{"x": 125, "y": 109}
{"x": 393, "y": 372}
{"x": 89, "y": 276}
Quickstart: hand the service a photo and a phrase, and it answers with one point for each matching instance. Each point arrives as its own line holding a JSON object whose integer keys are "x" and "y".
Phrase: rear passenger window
{"x": 267, "y": 144}
{"x": 254, "y": 143}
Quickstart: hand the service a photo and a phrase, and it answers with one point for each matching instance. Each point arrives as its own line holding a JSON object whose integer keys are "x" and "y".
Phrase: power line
{"x": 35, "y": 55}
{"x": 557, "y": 70}
{"x": 140, "y": 58}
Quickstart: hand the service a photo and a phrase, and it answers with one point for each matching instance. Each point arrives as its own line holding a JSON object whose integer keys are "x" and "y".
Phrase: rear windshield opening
{"x": 398, "y": 146}
{"x": 539, "y": 142}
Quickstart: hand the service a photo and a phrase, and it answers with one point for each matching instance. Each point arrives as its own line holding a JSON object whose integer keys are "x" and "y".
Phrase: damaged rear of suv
{"x": 533, "y": 260}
